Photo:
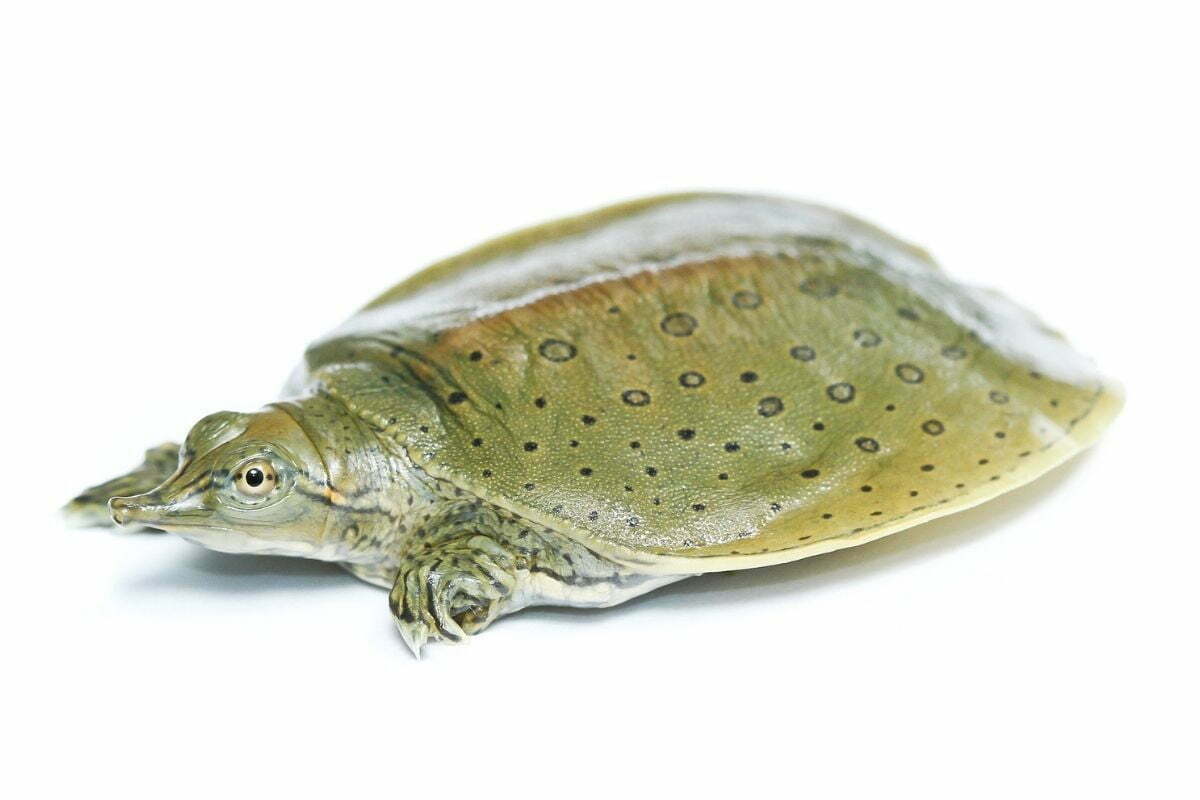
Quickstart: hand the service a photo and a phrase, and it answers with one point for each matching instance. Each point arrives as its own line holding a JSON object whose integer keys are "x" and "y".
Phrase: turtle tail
{"x": 91, "y": 506}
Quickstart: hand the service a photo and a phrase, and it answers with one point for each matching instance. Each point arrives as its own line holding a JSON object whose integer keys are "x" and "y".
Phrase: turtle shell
{"x": 703, "y": 382}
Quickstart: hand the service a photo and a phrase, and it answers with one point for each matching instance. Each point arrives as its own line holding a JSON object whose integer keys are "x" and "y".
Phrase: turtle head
{"x": 246, "y": 483}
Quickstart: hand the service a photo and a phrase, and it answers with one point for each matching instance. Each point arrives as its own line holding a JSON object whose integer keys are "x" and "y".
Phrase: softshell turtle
{"x": 583, "y": 411}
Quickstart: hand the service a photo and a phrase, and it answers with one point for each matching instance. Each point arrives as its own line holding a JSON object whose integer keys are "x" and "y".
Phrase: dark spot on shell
{"x": 802, "y": 352}
{"x": 732, "y": 447}
{"x": 933, "y": 427}
{"x": 819, "y": 287}
{"x": 686, "y": 434}
{"x": 455, "y": 398}
{"x": 476, "y": 442}
{"x": 592, "y": 515}
{"x": 827, "y": 515}
{"x": 540, "y": 402}
{"x": 1000, "y": 434}
{"x": 557, "y": 350}
{"x": 697, "y": 506}
{"x": 585, "y": 471}
{"x": 635, "y": 445}
{"x": 651, "y": 471}
{"x": 954, "y": 352}
{"x": 818, "y": 426}
{"x": 810, "y": 473}
{"x": 635, "y": 397}
{"x": 865, "y": 488}
{"x": 997, "y": 396}
{"x": 679, "y": 324}
{"x": 724, "y": 476}
{"x": 867, "y": 444}
{"x": 910, "y": 373}
{"x": 747, "y": 300}
{"x": 475, "y": 355}
{"x": 866, "y": 338}
{"x": 748, "y": 377}
{"x": 588, "y": 419}
{"x": 691, "y": 380}
{"x": 908, "y": 314}
{"x": 927, "y": 468}
{"x": 840, "y": 392}
{"x": 770, "y": 406}
{"x": 530, "y": 447}
{"x": 487, "y": 473}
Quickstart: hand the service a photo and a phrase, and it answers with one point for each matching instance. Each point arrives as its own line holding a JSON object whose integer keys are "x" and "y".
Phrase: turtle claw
{"x": 420, "y": 631}
{"x": 415, "y": 636}
{"x": 90, "y": 508}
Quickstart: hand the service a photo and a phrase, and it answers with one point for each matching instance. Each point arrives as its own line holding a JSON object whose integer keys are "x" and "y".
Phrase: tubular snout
{"x": 142, "y": 509}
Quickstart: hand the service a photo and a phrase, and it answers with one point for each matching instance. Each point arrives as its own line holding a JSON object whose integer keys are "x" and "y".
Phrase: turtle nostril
{"x": 144, "y": 510}
{"x": 119, "y": 509}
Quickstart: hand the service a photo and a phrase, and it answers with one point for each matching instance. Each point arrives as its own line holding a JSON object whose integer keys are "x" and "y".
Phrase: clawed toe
{"x": 444, "y": 600}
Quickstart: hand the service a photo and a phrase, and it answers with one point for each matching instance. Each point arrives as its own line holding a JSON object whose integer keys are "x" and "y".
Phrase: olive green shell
{"x": 701, "y": 382}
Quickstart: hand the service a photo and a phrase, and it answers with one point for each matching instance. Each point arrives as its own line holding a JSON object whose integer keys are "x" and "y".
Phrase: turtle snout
{"x": 130, "y": 511}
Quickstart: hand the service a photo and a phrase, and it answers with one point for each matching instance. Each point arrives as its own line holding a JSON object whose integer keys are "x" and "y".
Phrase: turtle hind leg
{"x": 91, "y": 506}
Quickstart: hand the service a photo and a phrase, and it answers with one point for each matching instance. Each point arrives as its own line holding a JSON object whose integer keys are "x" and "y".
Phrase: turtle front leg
{"x": 471, "y": 566}
{"x": 452, "y": 587}
{"x": 91, "y": 506}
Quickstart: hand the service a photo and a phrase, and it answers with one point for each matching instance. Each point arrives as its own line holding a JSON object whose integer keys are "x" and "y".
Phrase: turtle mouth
{"x": 147, "y": 511}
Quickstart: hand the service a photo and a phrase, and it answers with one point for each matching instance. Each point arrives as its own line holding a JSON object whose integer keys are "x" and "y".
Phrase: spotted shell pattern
{"x": 713, "y": 380}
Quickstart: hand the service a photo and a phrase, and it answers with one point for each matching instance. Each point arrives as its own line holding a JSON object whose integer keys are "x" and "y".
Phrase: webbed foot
{"x": 450, "y": 590}
{"x": 91, "y": 506}
{"x": 472, "y": 565}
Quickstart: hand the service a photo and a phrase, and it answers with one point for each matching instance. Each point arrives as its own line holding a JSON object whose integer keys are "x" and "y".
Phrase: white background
{"x": 192, "y": 191}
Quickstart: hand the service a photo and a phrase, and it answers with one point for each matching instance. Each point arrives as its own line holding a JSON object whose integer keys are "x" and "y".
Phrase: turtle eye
{"x": 256, "y": 478}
